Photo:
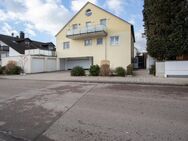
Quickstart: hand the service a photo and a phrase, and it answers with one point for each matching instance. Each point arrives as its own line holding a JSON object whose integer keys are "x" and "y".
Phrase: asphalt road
{"x": 59, "y": 111}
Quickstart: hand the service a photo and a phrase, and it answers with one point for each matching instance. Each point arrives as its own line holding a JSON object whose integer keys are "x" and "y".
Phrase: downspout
{"x": 105, "y": 48}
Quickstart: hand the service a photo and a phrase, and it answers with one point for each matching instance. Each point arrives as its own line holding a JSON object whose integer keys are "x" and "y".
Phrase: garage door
{"x": 51, "y": 64}
{"x": 37, "y": 65}
{"x": 82, "y": 62}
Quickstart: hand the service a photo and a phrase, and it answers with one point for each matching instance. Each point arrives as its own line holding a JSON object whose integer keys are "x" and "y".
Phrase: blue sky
{"x": 42, "y": 19}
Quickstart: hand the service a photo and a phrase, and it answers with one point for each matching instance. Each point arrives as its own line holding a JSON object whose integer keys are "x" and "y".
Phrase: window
{"x": 114, "y": 40}
{"x": 66, "y": 45}
{"x": 27, "y": 43}
{"x": 88, "y": 24}
{"x": 88, "y": 42}
{"x": 88, "y": 12}
{"x": 75, "y": 26}
{"x": 99, "y": 41}
{"x": 103, "y": 22}
{"x": 50, "y": 47}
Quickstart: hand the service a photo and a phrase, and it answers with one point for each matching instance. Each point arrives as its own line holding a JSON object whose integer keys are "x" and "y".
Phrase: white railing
{"x": 89, "y": 29}
{"x": 40, "y": 52}
{"x": 4, "y": 48}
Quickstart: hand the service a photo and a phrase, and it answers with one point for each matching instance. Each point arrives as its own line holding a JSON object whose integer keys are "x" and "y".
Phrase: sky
{"x": 42, "y": 19}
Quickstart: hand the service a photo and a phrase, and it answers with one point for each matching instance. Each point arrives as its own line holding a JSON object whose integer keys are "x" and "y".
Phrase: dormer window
{"x": 88, "y": 12}
{"x": 27, "y": 43}
{"x": 14, "y": 41}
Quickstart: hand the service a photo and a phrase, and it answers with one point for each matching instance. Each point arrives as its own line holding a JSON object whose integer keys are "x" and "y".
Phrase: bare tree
{"x": 23, "y": 60}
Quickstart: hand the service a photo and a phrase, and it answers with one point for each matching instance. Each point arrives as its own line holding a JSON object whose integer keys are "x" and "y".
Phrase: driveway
{"x": 65, "y": 111}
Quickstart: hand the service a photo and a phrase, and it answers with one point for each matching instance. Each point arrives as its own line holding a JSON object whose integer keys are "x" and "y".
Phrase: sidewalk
{"x": 141, "y": 77}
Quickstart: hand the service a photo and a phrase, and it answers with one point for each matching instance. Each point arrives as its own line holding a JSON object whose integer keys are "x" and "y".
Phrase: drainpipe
{"x": 105, "y": 48}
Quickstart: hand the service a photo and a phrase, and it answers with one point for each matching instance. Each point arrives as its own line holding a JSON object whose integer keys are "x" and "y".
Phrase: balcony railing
{"x": 86, "y": 32}
{"x": 40, "y": 52}
{"x": 4, "y": 48}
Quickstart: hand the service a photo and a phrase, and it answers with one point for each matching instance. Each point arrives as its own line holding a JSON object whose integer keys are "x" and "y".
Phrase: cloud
{"x": 8, "y": 15}
{"x": 30, "y": 30}
{"x": 45, "y": 15}
{"x": 116, "y": 6}
{"x": 132, "y": 19}
{"x": 7, "y": 29}
{"x": 13, "y": 5}
{"x": 140, "y": 41}
{"x": 76, "y": 5}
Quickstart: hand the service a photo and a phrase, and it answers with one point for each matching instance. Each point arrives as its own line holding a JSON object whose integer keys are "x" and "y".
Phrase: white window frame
{"x": 66, "y": 45}
{"x": 114, "y": 40}
{"x": 101, "y": 41}
{"x": 88, "y": 24}
{"x": 101, "y": 22}
{"x": 75, "y": 26}
{"x": 88, "y": 42}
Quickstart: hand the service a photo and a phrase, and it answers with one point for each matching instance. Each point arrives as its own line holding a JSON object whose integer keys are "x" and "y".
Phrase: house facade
{"x": 11, "y": 46}
{"x": 4, "y": 51}
{"x": 32, "y": 56}
{"x": 93, "y": 35}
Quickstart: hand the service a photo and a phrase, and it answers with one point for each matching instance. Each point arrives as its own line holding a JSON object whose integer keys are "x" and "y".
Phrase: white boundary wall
{"x": 160, "y": 69}
{"x": 172, "y": 68}
{"x": 34, "y": 64}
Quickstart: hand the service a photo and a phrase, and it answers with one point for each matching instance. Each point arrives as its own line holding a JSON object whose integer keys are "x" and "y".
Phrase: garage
{"x": 70, "y": 63}
{"x": 37, "y": 64}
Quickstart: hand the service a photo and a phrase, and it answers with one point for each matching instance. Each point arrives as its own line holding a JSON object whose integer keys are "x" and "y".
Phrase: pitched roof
{"x": 132, "y": 27}
{"x": 20, "y": 45}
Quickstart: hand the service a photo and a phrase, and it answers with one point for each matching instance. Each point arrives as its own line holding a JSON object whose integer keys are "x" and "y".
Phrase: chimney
{"x": 22, "y": 35}
{"x": 12, "y": 34}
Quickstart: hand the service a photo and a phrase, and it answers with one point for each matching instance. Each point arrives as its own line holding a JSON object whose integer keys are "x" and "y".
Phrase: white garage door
{"x": 37, "y": 65}
{"x": 51, "y": 64}
{"x": 85, "y": 63}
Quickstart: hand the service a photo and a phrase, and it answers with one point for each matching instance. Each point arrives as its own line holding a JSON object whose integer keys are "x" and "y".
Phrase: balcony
{"x": 40, "y": 52}
{"x": 4, "y": 48}
{"x": 87, "y": 32}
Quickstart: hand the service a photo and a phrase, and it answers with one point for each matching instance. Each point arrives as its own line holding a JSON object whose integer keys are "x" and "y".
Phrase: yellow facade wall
{"x": 118, "y": 55}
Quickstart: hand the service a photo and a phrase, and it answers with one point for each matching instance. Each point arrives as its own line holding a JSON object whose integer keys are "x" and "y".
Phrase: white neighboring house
{"x": 32, "y": 56}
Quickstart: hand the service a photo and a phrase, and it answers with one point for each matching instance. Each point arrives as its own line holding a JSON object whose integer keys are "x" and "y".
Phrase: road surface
{"x": 62, "y": 111}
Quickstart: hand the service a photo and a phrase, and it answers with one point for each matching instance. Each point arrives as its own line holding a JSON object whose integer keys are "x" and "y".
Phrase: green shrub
{"x": 152, "y": 70}
{"x": 130, "y": 69}
{"x": 94, "y": 70}
{"x": 13, "y": 70}
{"x": 2, "y": 70}
{"x": 77, "y": 71}
{"x": 120, "y": 71}
{"x": 105, "y": 70}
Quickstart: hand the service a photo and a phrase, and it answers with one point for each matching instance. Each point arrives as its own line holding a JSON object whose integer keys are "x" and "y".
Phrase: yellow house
{"x": 93, "y": 35}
